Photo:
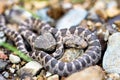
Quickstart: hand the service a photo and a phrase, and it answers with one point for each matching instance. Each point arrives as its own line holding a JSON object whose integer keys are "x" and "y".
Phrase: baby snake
{"x": 50, "y": 63}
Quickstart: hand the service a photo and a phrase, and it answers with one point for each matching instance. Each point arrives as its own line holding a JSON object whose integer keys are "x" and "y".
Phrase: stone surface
{"x": 71, "y": 18}
{"x": 90, "y": 73}
{"x": 45, "y": 42}
{"x": 43, "y": 15}
{"x": 3, "y": 55}
{"x": 14, "y": 58}
{"x": 111, "y": 58}
{"x": 48, "y": 74}
{"x": 1, "y": 77}
{"x": 93, "y": 16}
{"x": 113, "y": 76}
{"x": 71, "y": 54}
{"x": 31, "y": 67}
{"x": 5, "y": 74}
{"x": 17, "y": 14}
{"x": 54, "y": 77}
{"x": 3, "y": 64}
{"x": 11, "y": 70}
{"x": 112, "y": 12}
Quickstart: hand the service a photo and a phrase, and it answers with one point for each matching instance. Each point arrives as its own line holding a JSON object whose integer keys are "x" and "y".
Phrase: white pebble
{"x": 14, "y": 58}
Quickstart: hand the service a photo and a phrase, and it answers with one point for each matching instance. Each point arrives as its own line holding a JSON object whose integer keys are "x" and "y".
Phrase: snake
{"x": 90, "y": 57}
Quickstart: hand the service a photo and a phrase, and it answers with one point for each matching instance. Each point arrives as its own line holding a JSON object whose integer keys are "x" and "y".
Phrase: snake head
{"x": 74, "y": 41}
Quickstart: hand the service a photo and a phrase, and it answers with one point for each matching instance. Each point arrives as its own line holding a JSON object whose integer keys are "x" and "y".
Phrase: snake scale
{"x": 91, "y": 56}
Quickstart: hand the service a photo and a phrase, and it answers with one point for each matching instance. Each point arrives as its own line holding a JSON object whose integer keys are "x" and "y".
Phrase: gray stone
{"x": 31, "y": 67}
{"x": 17, "y": 14}
{"x": 14, "y": 58}
{"x": 71, "y": 54}
{"x": 113, "y": 76}
{"x": 43, "y": 15}
{"x": 1, "y": 77}
{"x": 3, "y": 64}
{"x": 45, "y": 42}
{"x": 90, "y": 73}
{"x": 5, "y": 74}
{"x": 12, "y": 70}
{"x": 72, "y": 18}
{"x": 111, "y": 57}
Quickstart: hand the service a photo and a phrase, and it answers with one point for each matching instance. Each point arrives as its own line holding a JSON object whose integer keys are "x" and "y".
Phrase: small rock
{"x": 14, "y": 58}
{"x": 71, "y": 54}
{"x": 48, "y": 74}
{"x": 17, "y": 14}
{"x": 3, "y": 56}
{"x": 2, "y": 7}
{"x": 112, "y": 12}
{"x": 12, "y": 70}
{"x": 111, "y": 58}
{"x": 111, "y": 4}
{"x": 3, "y": 64}
{"x": 54, "y": 77}
{"x": 117, "y": 23}
{"x": 43, "y": 15}
{"x": 101, "y": 13}
{"x": 100, "y": 5}
{"x": 1, "y": 77}
{"x": 72, "y": 18}
{"x": 40, "y": 78}
{"x": 5, "y": 74}
{"x": 113, "y": 76}
{"x": 31, "y": 67}
{"x": 93, "y": 16}
{"x": 47, "y": 40}
{"x": 90, "y": 73}
{"x": 14, "y": 66}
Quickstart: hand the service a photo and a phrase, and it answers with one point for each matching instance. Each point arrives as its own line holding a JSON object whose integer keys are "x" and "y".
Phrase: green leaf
{"x": 17, "y": 52}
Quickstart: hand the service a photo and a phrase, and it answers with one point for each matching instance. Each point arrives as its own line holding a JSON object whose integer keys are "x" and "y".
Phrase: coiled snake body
{"x": 50, "y": 63}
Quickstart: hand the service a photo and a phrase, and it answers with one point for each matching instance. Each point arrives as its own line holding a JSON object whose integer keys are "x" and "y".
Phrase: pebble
{"x": 14, "y": 58}
{"x": 1, "y": 77}
{"x": 3, "y": 64}
{"x": 72, "y": 18}
{"x": 31, "y": 67}
{"x": 12, "y": 70}
{"x": 113, "y": 76}
{"x": 112, "y": 25}
{"x": 43, "y": 15}
{"x": 93, "y": 16}
{"x": 112, "y": 12}
{"x": 54, "y": 77}
{"x": 48, "y": 74}
{"x": 71, "y": 54}
{"x": 90, "y": 73}
{"x": 2, "y": 7}
{"x": 5, "y": 74}
{"x": 47, "y": 40}
{"x": 111, "y": 58}
{"x": 112, "y": 3}
{"x": 17, "y": 14}
{"x": 3, "y": 55}
{"x": 101, "y": 13}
